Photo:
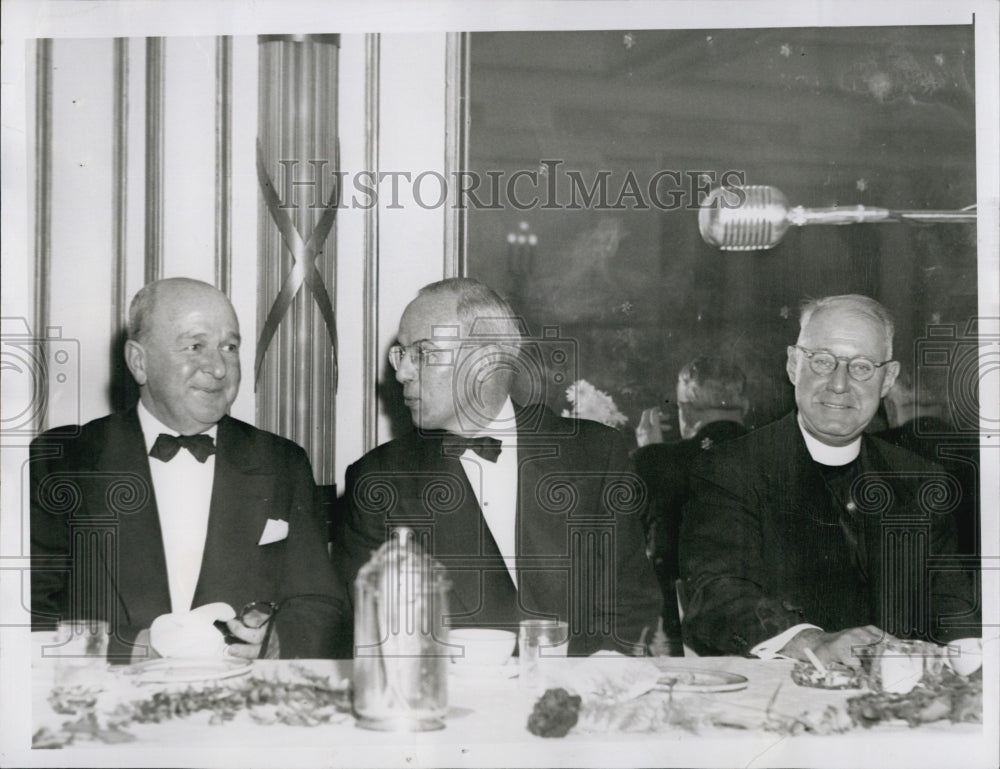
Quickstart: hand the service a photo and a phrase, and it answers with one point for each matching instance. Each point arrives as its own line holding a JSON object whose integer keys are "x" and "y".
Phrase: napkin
{"x": 190, "y": 633}
{"x": 275, "y": 530}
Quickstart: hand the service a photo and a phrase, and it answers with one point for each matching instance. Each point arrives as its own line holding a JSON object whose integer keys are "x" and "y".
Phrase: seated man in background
{"x": 141, "y": 516}
{"x": 810, "y": 534}
{"x": 918, "y": 421}
{"x": 711, "y": 407}
{"x": 532, "y": 515}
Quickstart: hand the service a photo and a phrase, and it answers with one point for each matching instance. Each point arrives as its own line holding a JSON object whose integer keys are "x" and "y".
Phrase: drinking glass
{"x": 72, "y": 651}
{"x": 538, "y": 639}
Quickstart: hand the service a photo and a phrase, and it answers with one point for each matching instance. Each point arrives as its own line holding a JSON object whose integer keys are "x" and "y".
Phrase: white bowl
{"x": 481, "y": 646}
{"x": 968, "y": 657}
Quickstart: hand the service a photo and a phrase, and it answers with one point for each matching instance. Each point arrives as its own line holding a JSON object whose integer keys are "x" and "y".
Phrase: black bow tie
{"x": 486, "y": 447}
{"x": 166, "y": 447}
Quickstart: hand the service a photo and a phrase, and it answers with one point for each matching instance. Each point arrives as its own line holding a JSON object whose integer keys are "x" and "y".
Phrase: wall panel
{"x": 352, "y": 256}
{"x": 189, "y": 158}
{"x": 110, "y": 231}
{"x": 78, "y": 283}
{"x": 135, "y": 168}
{"x": 107, "y": 234}
{"x": 243, "y": 236}
{"x": 412, "y": 129}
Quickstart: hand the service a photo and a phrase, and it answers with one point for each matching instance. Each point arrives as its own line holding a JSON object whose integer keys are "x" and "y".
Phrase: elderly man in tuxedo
{"x": 810, "y": 534}
{"x": 532, "y": 515}
{"x": 168, "y": 519}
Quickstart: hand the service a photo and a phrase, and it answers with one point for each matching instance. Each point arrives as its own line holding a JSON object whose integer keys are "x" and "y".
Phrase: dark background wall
{"x": 834, "y": 116}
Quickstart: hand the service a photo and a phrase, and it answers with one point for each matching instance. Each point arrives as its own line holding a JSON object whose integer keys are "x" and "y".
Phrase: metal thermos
{"x": 400, "y": 641}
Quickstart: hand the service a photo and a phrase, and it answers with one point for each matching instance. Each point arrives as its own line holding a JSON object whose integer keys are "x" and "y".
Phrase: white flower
{"x": 591, "y": 403}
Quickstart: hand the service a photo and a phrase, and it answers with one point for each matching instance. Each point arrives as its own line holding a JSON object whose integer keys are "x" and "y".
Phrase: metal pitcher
{"x": 400, "y": 641}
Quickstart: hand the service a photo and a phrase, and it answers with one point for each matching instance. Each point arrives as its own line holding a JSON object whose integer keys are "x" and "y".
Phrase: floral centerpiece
{"x": 590, "y": 403}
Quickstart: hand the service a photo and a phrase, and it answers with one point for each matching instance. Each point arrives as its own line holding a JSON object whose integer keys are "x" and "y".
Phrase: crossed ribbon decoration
{"x": 304, "y": 253}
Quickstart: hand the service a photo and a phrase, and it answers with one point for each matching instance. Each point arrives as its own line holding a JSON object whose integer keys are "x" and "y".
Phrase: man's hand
{"x": 834, "y": 647}
{"x": 650, "y": 429}
{"x": 252, "y": 637}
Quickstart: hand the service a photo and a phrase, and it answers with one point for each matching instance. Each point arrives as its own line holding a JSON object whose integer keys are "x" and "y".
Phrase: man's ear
{"x": 792, "y": 363}
{"x": 891, "y": 372}
{"x": 496, "y": 355}
{"x": 135, "y": 359}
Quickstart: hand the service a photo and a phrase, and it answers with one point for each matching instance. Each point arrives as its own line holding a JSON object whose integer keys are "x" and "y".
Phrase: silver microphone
{"x": 755, "y": 217}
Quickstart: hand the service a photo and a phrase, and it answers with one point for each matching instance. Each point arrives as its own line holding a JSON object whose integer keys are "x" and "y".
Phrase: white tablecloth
{"x": 486, "y": 726}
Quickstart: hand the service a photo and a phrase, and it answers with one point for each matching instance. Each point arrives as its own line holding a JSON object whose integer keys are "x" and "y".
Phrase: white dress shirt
{"x": 183, "y": 491}
{"x": 833, "y": 456}
{"x": 495, "y": 485}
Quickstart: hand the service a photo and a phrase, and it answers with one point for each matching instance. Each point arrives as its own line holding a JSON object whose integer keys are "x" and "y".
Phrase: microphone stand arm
{"x": 800, "y": 216}
{"x": 931, "y": 217}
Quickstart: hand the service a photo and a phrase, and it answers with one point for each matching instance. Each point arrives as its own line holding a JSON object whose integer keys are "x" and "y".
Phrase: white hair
{"x": 858, "y": 303}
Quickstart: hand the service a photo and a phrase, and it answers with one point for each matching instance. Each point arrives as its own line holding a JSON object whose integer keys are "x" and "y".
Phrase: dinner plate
{"x": 182, "y": 670}
{"x": 706, "y": 681}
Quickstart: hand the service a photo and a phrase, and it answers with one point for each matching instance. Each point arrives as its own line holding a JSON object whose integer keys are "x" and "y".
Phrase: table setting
{"x": 311, "y": 702}
{"x": 419, "y": 690}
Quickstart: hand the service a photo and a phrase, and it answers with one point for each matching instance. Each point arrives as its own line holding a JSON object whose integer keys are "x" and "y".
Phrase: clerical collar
{"x": 835, "y": 456}
{"x": 152, "y": 427}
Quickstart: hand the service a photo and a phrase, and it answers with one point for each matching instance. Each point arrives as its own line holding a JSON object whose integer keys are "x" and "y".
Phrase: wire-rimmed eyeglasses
{"x": 824, "y": 363}
{"x": 419, "y": 353}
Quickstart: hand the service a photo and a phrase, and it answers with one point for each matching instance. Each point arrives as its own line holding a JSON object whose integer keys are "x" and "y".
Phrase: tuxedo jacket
{"x": 768, "y": 541}
{"x": 580, "y": 544}
{"x": 97, "y": 549}
{"x": 665, "y": 468}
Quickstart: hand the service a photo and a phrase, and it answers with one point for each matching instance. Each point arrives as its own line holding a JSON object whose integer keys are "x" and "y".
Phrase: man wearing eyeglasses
{"x": 171, "y": 516}
{"x": 810, "y": 536}
{"x": 532, "y": 515}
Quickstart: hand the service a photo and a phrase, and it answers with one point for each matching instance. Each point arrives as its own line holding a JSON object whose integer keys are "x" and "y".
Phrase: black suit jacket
{"x": 764, "y": 546}
{"x": 580, "y": 545}
{"x": 665, "y": 468}
{"x": 958, "y": 454}
{"x": 97, "y": 549}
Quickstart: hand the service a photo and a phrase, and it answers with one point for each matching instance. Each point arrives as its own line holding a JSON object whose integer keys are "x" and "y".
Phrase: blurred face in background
{"x": 685, "y": 421}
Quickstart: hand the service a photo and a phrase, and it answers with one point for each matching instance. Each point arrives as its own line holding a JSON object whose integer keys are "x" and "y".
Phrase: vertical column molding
{"x": 295, "y": 370}
{"x": 43, "y": 203}
{"x": 371, "y": 252}
{"x": 223, "y": 162}
{"x": 456, "y": 150}
{"x": 119, "y": 182}
{"x": 155, "y": 53}
{"x": 119, "y": 203}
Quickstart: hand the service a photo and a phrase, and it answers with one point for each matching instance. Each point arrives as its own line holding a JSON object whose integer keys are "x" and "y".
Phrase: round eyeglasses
{"x": 824, "y": 363}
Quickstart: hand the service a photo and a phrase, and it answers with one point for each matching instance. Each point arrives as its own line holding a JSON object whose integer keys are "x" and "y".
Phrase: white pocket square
{"x": 275, "y": 530}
